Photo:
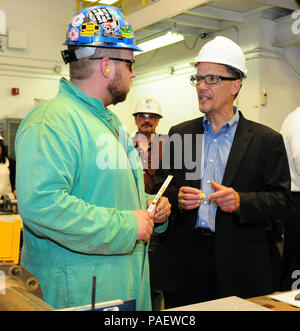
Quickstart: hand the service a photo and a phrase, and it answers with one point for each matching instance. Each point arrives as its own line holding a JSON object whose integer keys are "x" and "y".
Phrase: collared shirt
{"x": 291, "y": 134}
{"x": 151, "y": 157}
{"x": 216, "y": 148}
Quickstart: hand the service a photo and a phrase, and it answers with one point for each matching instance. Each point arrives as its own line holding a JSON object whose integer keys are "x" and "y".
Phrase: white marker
{"x": 152, "y": 207}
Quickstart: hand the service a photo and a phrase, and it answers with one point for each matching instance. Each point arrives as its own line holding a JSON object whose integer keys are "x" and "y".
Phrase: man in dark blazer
{"x": 217, "y": 242}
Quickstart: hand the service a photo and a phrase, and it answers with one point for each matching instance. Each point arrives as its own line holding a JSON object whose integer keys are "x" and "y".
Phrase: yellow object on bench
{"x": 10, "y": 233}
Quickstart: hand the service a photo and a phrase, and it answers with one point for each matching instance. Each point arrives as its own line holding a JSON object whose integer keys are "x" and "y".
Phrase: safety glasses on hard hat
{"x": 130, "y": 62}
{"x": 208, "y": 79}
{"x": 147, "y": 115}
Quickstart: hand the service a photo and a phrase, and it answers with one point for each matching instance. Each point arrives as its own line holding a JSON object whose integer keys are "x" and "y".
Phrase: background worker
{"x": 83, "y": 203}
{"x": 149, "y": 145}
{"x": 7, "y": 171}
{"x": 291, "y": 252}
{"x": 216, "y": 246}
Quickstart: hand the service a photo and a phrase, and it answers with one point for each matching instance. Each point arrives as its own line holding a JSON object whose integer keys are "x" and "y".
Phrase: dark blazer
{"x": 258, "y": 170}
{"x": 12, "y": 170}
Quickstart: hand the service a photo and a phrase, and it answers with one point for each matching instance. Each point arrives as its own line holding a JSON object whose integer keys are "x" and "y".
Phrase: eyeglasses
{"x": 209, "y": 79}
{"x": 130, "y": 62}
{"x": 147, "y": 115}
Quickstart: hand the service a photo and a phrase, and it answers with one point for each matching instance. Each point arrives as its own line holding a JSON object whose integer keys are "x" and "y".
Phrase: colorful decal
{"x": 127, "y": 32}
{"x": 90, "y": 29}
{"x": 78, "y": 20}
{"x": 100, "y": 15}
{"x": 73, "y": 34}
{"x": 113, "y": 35}
{"x": 112, "y": 29}
{"x": 111, "y": 26}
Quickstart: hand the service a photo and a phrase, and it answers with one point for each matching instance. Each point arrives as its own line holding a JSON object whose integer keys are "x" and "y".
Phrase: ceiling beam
{"x": 196, "y": 22}
{"x": 287, "y": 4}
{"x": 161, "y": 10}
{"x": 287, "y": 32}
{"x": 217, "y": 14}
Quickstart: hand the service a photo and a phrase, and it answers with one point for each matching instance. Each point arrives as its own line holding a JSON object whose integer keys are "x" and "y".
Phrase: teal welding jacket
{"x": 79, "y": 178}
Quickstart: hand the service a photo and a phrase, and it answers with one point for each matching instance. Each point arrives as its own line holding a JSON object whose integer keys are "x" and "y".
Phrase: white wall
{"x": 32, "y": 70}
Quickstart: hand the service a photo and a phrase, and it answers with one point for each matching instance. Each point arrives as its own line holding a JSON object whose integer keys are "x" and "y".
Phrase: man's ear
{"x": 237, "y": 85}
{"x": 105, "y": 67}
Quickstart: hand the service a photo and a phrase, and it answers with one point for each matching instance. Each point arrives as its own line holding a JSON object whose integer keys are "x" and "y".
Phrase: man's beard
{"x": 117, "y": 93}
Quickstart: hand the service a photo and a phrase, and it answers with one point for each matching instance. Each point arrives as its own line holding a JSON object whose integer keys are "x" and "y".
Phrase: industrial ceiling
{"x": 196, "y": 17}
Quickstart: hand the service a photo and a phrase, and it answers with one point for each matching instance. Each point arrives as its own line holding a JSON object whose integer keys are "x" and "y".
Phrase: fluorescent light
{"x": 107, "y": 2}
{"x": 103, "y": 2}
{"x": 164, "y": 40}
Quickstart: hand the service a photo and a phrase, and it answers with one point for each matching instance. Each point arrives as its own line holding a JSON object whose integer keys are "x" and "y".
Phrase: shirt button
{"x": 211, "y": 160}
{"x": 208, "y": 182}
{"x": 215, "y": 140}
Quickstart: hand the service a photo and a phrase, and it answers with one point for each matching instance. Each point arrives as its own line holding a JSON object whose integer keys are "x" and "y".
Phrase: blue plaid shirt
{"x": 215, "y": 152}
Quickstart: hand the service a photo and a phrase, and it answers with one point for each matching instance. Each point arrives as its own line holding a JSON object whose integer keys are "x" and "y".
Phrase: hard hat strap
{"x": 77, "y": 54}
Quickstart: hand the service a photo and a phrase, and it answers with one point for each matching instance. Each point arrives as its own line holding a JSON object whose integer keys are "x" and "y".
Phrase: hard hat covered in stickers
{"x": 99, "y": 26}
{"x": 223, "y": 51}
{"x": 148, "y": 106}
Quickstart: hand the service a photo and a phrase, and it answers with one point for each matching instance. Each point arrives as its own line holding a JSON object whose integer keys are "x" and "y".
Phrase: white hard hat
{"x": 223, "y": 51}
{"x": 148, "y": 105}
{"x": 1, "y": 138}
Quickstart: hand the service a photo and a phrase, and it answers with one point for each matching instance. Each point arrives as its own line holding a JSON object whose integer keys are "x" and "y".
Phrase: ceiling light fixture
{"x": 107, "y": 2}
{"x": 103, "y": 2}
{"x": 164, "y": 40}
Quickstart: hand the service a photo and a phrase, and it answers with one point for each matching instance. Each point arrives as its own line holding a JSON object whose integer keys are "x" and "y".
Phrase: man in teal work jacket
{"x": 79, "y": 179}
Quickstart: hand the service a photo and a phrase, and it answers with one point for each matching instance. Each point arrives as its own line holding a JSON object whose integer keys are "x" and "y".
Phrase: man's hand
{"x": 162, "y": 211}
{"x": 189, "y": 198}
{"x": 145, "y": 224}
{"x": 227, "y": 199}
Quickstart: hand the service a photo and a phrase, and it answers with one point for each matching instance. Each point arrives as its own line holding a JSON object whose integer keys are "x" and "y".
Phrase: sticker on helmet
{"x": 112, "y": 26}
{"x": 112, "y": 29}
{"x": 90, "y": 29}
{"x": 78, "y": 20}
{"x": 73, "y": 34}
{"x": 127, "y": 32}
{"x": 100, "y": 15}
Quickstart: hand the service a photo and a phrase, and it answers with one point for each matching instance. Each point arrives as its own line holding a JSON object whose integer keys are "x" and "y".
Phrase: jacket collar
{"x": 243, "y": 137}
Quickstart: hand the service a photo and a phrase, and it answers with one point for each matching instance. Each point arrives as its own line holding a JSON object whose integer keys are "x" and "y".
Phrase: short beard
{"x": 116, "y": 93}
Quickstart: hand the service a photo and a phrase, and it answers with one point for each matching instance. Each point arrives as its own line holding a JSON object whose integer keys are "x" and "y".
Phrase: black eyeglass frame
{"x": 194, "y": 78}
{"x": 131, "y": 62}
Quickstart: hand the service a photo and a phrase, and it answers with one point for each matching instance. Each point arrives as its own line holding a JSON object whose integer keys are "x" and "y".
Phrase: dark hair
{"x": 4, "y": 153}
{"x": 235, "y": 73}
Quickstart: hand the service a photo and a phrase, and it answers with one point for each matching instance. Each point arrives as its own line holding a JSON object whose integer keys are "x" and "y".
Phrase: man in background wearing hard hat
{"x": 148, "y": 143}
{"x": 84, "y": 204}
{"x": 217, "y": 245}
{"x": 150, "y": 146}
